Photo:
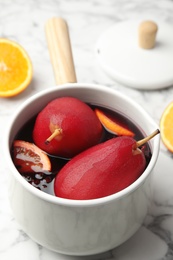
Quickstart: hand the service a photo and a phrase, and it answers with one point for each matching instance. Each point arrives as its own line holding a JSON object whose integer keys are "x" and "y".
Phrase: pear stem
{"x": 146, "y": 139}
{"x": 57, "y": 132}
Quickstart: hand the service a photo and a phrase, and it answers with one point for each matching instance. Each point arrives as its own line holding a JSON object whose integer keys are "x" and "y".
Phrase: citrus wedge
{"x": 15, "y": 68}
{"x": 27, "y": 157}
{"x": 166, "y": 127}
{"x": 111, "y": 125}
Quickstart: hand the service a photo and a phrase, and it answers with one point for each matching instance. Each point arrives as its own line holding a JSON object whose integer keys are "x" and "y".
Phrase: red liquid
{"x": 42, "y": 180}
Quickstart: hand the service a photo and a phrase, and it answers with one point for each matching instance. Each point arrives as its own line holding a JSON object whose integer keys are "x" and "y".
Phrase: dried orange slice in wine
{"x": 15, "y": 68}
{"x": 111, "y": 125}
{"x": 166, "y": 127}
{"x": 27, "y": 157}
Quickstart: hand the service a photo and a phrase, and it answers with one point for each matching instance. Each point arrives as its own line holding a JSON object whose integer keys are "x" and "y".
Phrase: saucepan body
{"x": 80, "y": 227}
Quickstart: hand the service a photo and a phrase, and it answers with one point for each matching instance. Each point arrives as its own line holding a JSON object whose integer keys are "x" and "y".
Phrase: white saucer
{"x": 121, "y": 57}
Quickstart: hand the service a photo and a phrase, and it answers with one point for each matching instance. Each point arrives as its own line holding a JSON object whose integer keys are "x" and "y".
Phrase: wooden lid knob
{"x": 147, "y": 34}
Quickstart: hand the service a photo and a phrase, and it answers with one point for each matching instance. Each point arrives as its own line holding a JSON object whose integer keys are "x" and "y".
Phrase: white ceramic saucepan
{"x": 79, "y": 227}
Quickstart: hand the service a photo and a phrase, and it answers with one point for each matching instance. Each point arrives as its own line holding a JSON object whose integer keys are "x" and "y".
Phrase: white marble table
{"x": 23, "y": 21}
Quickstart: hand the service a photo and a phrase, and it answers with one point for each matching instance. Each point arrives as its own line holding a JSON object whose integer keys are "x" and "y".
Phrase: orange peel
{"x": 111, "y": 125}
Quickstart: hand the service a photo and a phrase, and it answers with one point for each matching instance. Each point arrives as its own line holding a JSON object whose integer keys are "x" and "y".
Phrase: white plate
{"x": 121, "y": 57}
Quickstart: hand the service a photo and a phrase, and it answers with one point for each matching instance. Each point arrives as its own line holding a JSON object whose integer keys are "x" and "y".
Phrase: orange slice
{"x": 166, "y": 127}
{"x": 27, "y": 157}
{"x": 111, "y": 125}
{"x": 15, "y": 68}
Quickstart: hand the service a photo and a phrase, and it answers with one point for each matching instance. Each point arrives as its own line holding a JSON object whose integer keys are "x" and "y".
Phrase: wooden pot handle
{"x": 58, "y": 40}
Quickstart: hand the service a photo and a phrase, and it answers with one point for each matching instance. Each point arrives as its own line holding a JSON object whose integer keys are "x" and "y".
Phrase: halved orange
{"x": 166, "y": 127}
{"x": 15, "y": 68}
{"x": 111, "y": 125}
{"x": 27, "y": 157}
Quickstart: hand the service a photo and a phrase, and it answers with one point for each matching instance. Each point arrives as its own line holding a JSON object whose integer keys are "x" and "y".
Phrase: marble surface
{"x": 23, "y": 21}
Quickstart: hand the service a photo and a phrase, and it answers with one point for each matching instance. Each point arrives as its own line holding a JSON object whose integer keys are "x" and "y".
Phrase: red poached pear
{"x": 102, "y": 170}
{"x": 66, "y": 127}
